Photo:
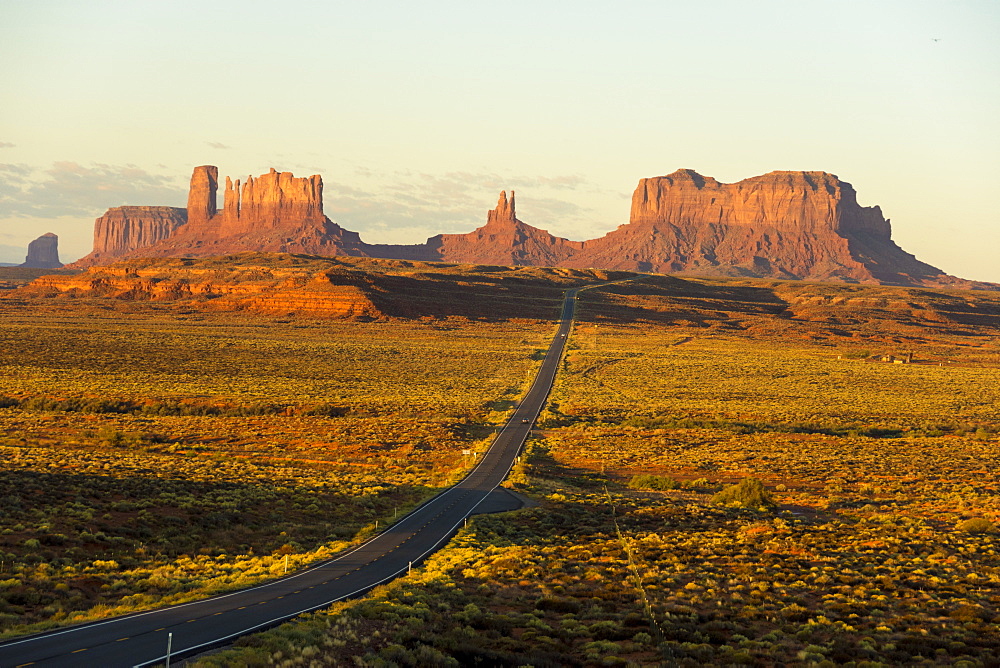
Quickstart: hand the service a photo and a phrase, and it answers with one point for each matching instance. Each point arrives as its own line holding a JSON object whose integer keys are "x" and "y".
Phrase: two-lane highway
{"x": 141, "y": 639}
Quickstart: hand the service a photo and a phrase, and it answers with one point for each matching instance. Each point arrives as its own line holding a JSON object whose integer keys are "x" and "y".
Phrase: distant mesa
{"x": 124, "y": 229}
{"x": 43, "y": 253}
{"x": 275, "y": 212}
{"x": 784, "y": 225}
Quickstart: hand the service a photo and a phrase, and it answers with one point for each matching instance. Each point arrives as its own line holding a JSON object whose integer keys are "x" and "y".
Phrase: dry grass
{"x": 869, "y": 556}
{"x": 153, "y": 457}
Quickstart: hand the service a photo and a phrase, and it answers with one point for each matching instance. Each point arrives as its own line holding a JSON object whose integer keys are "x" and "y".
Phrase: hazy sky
{"x": 418, "y": 113}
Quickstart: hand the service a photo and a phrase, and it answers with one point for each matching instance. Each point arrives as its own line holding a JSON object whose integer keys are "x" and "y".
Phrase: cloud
{"x": 68, "y": 188}
{"x": 12, "y": 254}
{"x": 408, "y": 207}
{"x": 6, "y": 144}
{"x": 215, "y": 144}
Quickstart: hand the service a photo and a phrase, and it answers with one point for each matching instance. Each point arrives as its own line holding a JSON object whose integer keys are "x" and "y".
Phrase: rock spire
{"x": 504, "y": 214}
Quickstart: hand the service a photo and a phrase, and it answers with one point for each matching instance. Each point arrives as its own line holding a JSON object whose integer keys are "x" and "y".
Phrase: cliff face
{"x": 803, "y": 225}
{"x": 43, "y": 253}
{"x": 271, "y": 201}
{"x": 125, "y": 229}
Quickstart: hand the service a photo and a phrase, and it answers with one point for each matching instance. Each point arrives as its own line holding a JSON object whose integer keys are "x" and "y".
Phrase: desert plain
{"x": 160, "y": 445}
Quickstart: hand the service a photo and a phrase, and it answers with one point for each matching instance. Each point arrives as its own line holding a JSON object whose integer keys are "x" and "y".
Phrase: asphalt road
{"x": 141, "y": 639}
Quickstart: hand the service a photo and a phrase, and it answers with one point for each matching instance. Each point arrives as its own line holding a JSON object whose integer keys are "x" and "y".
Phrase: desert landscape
{"x": 729, "y": 470}
{"x": 465, "y": 335}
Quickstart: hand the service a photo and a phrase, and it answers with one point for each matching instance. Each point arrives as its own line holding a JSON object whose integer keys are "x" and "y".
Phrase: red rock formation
{"x": 275, "y": 212}
{"x": 43, "y": 252}
{"x": 125, "y": 229}
{"x": 805, "y": 225}
{"x": 504, "y": 240}
{"x": 274, "y": 199}
{"x": 504, "y": 215}
{"x": 795, "y": 225}
{"x": 202, "y": 201}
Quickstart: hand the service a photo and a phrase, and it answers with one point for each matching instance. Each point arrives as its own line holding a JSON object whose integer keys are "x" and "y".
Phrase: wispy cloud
{"x": 408, "y": 207}
{"x": 215, "y": 144}
{"x": 6, "y": 144}
{"x": 68, "y": 188}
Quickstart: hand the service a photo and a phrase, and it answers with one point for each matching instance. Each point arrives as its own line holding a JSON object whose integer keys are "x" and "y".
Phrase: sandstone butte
{"x": 785, "y": 225}
{"x": 43, "y": 253}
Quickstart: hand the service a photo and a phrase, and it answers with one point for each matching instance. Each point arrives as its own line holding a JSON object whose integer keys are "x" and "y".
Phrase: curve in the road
{"x": 141, "y": 639}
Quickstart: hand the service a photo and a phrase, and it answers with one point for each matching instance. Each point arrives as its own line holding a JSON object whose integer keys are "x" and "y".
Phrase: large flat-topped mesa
{"x": 794, "y": 225}
{"x": 794, "y": 200}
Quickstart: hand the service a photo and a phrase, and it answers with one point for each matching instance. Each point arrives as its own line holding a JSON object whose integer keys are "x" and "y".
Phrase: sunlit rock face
{"x": 125, "y": 229}
{"x": 275, "y": 212}
{"x": 801, "y": 225}
{"x": 788, "y": 225}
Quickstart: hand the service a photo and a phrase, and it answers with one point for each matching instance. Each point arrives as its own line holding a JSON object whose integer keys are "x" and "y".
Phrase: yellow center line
{"x": 77, "y": 651}
{"x": 25, "y": 665}
{"x": 122, "y": 639}
{"x": 161, "y": 629}
{"x": 190, "y": 620}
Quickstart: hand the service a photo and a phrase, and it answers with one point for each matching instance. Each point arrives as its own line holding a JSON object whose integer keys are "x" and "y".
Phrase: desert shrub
{"x": 749, "y": 493}
{"x": 558, "y": 604}
{"x": 327, "y": 410}
{"x": 656, "y": 482}
{"x": 977, "y": 525}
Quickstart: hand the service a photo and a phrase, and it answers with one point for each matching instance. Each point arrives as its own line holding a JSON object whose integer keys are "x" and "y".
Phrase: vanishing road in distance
{"x": 141, "y": 639}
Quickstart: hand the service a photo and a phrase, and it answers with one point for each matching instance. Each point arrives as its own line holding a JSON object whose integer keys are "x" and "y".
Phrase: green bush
{"x": 750, "y": 493}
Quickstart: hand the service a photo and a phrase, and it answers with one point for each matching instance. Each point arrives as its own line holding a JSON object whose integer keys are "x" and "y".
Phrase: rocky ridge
{"x": 787, "y": 225}
{"x": 321, "y": 287}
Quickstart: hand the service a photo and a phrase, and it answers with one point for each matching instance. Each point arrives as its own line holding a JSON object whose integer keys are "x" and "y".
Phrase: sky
{"x": 417, "y": 114}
